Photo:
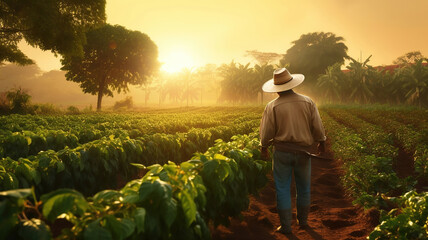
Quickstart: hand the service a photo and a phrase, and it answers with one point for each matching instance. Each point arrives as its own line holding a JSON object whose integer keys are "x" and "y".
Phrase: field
{"x": 196, "y": 173}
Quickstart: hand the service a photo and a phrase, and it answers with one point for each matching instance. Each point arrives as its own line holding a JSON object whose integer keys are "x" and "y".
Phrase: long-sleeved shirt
{"x": 291, "y": 121}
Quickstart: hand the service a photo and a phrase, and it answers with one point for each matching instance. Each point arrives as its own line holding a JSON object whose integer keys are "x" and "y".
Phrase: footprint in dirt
{"x": 328, "y": 179}
{"x": 273, "y": 210}
{"x": 358, "y": 233}
{"x": 254, "y": 207}
{"x": 348, "y": 213}
{"x": 337, "y": 223}
{"x": 334, "y": 194}
{"x": 314, "y": 208}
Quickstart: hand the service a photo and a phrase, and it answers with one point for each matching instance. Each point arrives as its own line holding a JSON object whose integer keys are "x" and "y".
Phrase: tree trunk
{"x": 146, "y": 97}
{"x": 100, "y": 97}
{"x": 187, "y": 84}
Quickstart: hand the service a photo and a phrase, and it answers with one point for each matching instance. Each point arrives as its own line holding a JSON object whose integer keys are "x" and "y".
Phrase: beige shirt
{"x": 291, "y": 119}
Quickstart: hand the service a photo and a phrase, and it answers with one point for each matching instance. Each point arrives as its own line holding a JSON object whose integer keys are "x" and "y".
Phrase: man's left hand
{"x": 265, "y": 154}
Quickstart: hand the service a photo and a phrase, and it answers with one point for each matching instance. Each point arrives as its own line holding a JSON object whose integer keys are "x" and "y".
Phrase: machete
{"x": 318, "y": 156}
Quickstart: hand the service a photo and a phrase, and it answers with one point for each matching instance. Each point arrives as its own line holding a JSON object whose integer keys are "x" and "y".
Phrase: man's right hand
{"x": 321, "y": 147}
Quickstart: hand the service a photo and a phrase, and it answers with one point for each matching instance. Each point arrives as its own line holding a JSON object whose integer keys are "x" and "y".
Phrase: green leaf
{"x": 94, "y": 231}
{"x": 139, "y": 217}
{"x": 34, "y": 229}
{"x": 28, "y": 140}
{"x": 44, "y": 161}
{"x": 17, "y": 193}
{"x": 63, "y": 201}
{"x": 107, "y": 196}
{"x": 220, "y": 157}
{"x": 187, "y": 166}
{"x": 188, "y": 205}
{"x": 45, "y": 197}
{"x": 146, "y": 189}
{"x": 210, "y": 167}
{"x": 155, "y": 169}
{"x": 141, "y": 166}
{"x": 120, "y": 229}
{"x": 131, "y": 198}
{"x": 60, "y": 166}
{"x": 169, "y": 212}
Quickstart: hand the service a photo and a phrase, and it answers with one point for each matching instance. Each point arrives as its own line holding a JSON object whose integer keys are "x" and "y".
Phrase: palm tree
{"x": 206, "y": 79}
{"x": 245, "y": 83}
{"x": 190, "y": 91}
{"x": 414, "y": 78}
{"x": 331, "y": 83}
{"x": 263, "y": 73}
{"x": 228, "y": 85}
{"x": 359, "y": 81}
{"x": 148, "y": 87}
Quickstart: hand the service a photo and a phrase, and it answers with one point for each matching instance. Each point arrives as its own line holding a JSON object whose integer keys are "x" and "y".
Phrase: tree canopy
{"x": 409, "y": 58}
{"x": 263, "y": 57}
{"x": 312, "y": 53}
{"x": 114, "y": 57}
{"x": 362, "y": 83}
{"x": 55, "y": 25}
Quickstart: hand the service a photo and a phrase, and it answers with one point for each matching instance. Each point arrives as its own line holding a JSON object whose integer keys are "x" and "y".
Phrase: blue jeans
{"x": 283, "y": 165}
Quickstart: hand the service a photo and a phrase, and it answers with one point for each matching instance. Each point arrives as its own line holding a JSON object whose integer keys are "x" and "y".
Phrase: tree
{"x": 190, "y": 91}
{"x": 114, "y": 57}
{"x": 263, "y": 57}
{"x": 414, "y": 83}
{"x": 263, "y": 73}
{"x": 312, "y": 53}
{"x": 55, "y": 25}
{"x": 148, "y": 88}
{"x": 331, "y": 83}
{"x": 206, "y": 78}
{"x": 19, "y": 100}
{"x": 238, "y": 82}
{"x": 409, "y": 58}
{"x": 359, "y": 85}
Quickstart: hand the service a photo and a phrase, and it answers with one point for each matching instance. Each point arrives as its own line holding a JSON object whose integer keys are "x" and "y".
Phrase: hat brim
{"x": 269, "y": 86}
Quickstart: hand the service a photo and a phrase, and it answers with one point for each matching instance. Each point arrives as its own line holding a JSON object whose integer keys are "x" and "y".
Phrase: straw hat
{"x": 282, "y": 81}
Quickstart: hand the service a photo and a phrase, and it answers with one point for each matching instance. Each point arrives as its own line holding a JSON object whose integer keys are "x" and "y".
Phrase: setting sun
{"x": 176, "y": 60}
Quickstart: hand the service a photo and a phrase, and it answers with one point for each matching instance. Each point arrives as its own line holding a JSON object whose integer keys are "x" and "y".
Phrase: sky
{"x": 192, "y": 33}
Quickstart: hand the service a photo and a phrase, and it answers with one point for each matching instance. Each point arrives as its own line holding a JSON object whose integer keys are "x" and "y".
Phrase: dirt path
{"x": 332, "y": 215}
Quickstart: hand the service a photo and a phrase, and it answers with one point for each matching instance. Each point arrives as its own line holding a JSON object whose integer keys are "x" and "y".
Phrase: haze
{"x": 220, "y": 31}
{"x": 192, "y": 33}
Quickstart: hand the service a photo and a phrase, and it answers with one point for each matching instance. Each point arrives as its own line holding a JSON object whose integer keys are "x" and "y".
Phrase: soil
{"x": 332, "y": 216}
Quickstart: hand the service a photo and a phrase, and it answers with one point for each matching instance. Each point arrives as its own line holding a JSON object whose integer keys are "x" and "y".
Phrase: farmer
{"x": 292, "y": 124}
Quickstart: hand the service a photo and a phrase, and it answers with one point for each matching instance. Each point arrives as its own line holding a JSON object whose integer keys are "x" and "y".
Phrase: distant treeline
{"x": 404, "y": 83}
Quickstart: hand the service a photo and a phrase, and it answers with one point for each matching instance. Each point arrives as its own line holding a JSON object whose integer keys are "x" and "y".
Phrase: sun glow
{"x": 176, "y": 60}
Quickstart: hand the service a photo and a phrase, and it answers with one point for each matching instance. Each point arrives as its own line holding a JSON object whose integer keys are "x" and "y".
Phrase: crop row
{"x": 413, "y": 142}
{"x": 367, "y": 177}
{"x": 412, "y": 117}
{"x": 418, "y": 119}
{"x": 372, "y": 181}
{"x": 98, "y": 164}
{"x": 27, "y": 143}
{"x": 146, "y": 122}
{"x": 377, "y": 141}
{"x": 171, "y": 201}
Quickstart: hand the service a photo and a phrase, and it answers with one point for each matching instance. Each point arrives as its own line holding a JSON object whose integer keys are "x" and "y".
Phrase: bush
{"x": 44, "y": 108}
{"x": 4, "y": 104}
{"x": 73, "y": 110}
{"x": 124, "y": 103}
{"x": 19, "y": 100}
{"x": 88, "y": 109}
